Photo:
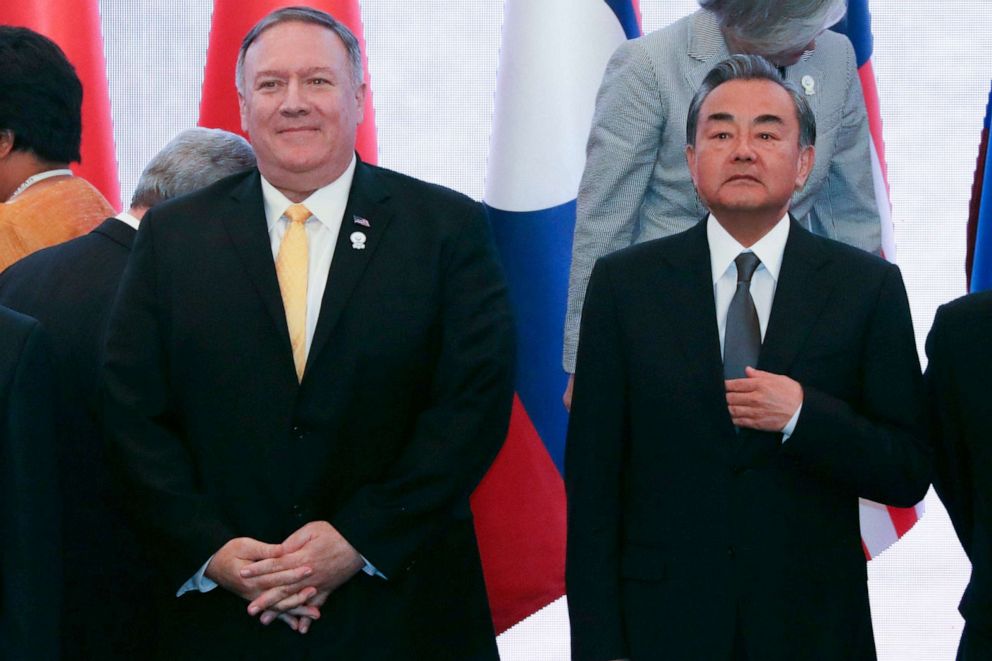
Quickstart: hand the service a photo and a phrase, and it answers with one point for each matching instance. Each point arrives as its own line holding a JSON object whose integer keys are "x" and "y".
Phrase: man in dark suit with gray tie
{"x": 738, "y": 387}
{"x": 308, "y": 372}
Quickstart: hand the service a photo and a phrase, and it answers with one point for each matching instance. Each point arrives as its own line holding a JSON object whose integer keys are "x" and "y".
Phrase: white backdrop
{"x": 433, "y": 70}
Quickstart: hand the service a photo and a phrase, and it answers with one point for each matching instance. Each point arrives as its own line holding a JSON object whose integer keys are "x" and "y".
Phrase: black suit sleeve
{"x": 878, "y": 446}
{"x": 142, "y": 428}
{"x": 459, "y": 432}
{"x": 594, "y": 458}
{"x": 952, "y": 477}
{"x": 30, "y": 559}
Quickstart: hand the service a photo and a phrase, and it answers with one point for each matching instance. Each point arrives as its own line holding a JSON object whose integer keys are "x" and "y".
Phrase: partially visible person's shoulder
{"x": 433, "y": 209}
{"x": 674, "y": 248}
{"x": 967, "y": 311}
{"x": 832, "y": 51}
{"x": 219, "y": 192}
{"x": 848, "y": 257}
{"x": 427, "y": 193}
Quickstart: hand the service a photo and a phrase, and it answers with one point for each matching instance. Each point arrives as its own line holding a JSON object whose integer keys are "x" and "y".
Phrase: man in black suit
{"x": 70, "y": 288}
{"x": 958, "y": 389}
{"x": 738, "y": 387}
{"x": 30, "y": 585}
{"x": 308, "y": 371}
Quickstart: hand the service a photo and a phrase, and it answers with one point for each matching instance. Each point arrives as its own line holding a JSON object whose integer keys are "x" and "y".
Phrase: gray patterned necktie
{"x": 742, "y": 341}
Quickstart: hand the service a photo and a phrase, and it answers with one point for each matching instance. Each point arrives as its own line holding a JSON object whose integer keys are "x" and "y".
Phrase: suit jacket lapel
{"x": 366, "y": 202}
{"x": 803, "y": 288}
{"x": 247, "y": 229}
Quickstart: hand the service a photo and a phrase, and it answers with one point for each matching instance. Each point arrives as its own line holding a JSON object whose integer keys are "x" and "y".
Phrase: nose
{"x": 743, "y": 148}
{"x": 294, "y": 101}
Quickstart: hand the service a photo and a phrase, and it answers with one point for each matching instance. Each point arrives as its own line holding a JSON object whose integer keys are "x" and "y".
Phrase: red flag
{"x": 519, "y": 511}
{"x": 231, "y": 21}
{"x": 75, "y": 26}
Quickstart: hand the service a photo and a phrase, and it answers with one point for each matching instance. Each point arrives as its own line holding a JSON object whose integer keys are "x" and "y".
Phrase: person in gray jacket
{"x": 636, "y": 185}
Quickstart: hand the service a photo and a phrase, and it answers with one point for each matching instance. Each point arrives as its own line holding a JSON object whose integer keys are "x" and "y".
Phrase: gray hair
{"x": 195, "y": 158}
{"x": 301, "y": 15}
{"x": 750, "y": 67}
{"x": 771, "y": 27}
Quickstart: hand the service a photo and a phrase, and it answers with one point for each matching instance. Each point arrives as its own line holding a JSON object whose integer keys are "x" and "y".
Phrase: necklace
{"x": 35, "y": 178}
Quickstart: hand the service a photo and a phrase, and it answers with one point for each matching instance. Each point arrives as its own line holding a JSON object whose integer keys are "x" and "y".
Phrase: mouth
{"x": 297, "y": 129}
{"x": 744, "y": 178}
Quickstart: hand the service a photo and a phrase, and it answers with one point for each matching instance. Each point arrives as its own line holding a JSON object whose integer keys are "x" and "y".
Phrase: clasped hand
{"x": 763, "y": 400}
{"x": 288, "y": 581}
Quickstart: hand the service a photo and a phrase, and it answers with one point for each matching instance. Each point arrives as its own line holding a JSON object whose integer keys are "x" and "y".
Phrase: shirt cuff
{"x": 369, "y": 568}
{"x": 790, "y": 426}
{"x": 198, "y": 582}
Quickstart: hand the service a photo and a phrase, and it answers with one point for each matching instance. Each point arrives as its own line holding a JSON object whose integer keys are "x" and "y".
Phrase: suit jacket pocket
{"x": 642, "y": 563}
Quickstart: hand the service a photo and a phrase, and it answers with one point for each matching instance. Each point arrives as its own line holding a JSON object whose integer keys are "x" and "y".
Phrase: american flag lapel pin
{"x": 358, "y": 220}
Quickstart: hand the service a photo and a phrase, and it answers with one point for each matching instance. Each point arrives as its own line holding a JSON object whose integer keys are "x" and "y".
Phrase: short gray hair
{"x": 771, "y": 27}
{"x": 750, "y": 67}
{"x": 301, "y": 15}
{"x": 193, "y": 159}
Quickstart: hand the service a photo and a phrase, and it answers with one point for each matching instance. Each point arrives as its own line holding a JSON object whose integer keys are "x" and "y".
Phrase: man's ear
{"x": 807, "y": 157}
{"x": 690, "y": 161}
{"x": 6, "y": 142}
{"x": 243, "y": 111}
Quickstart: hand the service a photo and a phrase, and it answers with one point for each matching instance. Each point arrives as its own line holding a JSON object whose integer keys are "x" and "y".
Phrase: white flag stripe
{"x": 552, "y": 59}
{"x": 877, "y": 531}
{"x": 540, "y": 636}
{"x": 884, "y": 208}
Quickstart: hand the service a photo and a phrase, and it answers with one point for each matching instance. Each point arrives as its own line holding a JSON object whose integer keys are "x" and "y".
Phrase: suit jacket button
{"x": 730, "y": 551}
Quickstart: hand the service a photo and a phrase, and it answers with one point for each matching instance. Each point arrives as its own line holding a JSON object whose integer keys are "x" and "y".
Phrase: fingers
{"x": 297, "y": 601}
{"x": 291, "y": 621}
{"x": 749, "y": 384}
{"x": 305, "y": 623}
{"x": 268, "y": 599}
{"x": 252, "y": 549}
{"x": 298, "y": 539}
{"x": 278, "y": 565}
{"x": 289, "y": 577}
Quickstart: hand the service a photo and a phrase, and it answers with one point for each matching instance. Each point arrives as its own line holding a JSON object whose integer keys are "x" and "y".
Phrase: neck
{"x": 138, "y": 212}
{"x": 21, "y": 166}
{"x": 299, "y": 186}
{"x": 747, "y": 228}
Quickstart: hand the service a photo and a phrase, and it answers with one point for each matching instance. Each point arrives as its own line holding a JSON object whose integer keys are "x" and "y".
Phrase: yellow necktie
{"x": 292, "y": 264}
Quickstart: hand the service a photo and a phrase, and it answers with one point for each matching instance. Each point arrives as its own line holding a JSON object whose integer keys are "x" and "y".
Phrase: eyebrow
{"x": 760, "y": 119}
{"x": 305, "y": 72}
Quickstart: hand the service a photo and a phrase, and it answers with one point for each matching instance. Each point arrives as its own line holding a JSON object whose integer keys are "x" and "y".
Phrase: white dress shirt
{"x": 327, "y": 206}
{"x": 723, "y": 250}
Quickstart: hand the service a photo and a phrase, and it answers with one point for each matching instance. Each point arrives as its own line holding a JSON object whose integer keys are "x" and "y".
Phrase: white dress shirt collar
{"x": 327, "y": 204}
{"x": 724, "y": 248}
{"x": 127, "y": 219}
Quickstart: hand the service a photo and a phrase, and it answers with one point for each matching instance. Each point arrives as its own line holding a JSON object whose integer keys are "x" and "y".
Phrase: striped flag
{"x": 856, "y": 26}
{"x": 552, "y": 59}
{"x": 75, "y": 26}
{"x": 230, "y": 23}
{"x": 881, "y": 525}
{"x": 978, "y": 263}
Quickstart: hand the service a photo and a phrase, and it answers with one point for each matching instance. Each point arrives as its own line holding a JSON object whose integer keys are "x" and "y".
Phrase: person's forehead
{"x": 289, "y": 33}
{"x": 748, "y": 98}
